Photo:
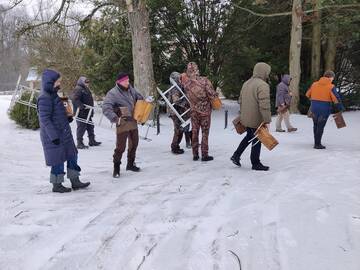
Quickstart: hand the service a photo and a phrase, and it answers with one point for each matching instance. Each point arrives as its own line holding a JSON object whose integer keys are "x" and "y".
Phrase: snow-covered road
{"x": 304, "y": 214}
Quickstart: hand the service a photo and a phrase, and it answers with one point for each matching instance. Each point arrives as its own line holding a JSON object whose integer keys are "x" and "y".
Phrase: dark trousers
{"x": 132, "y": 137}
{"x": 178, "y": 134}
{"x": 200, "y": 122}
{"x": 256, "y": 147}
{"x": 81, "y": 128}
{"x": 319, "y": 125}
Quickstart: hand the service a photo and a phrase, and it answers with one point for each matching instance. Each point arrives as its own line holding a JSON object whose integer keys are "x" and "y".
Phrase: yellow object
{"x": 216, "y": 103}
{"x": 264, "y": 136}
{"x": 142, "y": 111}
{"x": 68, "y": 107}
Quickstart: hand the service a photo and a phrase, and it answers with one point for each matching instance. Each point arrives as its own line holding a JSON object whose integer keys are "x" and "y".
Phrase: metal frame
{"x": 184, "y": 122}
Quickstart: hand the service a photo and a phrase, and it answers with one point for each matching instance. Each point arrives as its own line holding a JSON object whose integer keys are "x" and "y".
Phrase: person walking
{"x": 81, "y": 98}
{"x": 55, "y": 133}
{"x": 200, "y": 93}
{"x": 118, "y": 107}
{"x": 181, "y": 105}
{"x": 322, "y": 94}
{"x": 283, "y": 101}
{"x": 254, "y": 110}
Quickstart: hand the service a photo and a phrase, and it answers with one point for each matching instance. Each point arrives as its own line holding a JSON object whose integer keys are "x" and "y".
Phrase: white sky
{"x": 49, "y": 6}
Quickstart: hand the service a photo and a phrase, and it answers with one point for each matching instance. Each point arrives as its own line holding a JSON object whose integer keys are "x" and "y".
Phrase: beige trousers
{"x": 283, "y": 116}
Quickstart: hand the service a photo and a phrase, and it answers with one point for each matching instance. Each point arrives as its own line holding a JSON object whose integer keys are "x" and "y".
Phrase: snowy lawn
{"x": 304, "y": 214}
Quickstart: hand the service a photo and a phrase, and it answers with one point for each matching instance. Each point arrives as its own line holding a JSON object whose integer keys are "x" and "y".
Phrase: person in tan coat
{"x": 254, "y": 110}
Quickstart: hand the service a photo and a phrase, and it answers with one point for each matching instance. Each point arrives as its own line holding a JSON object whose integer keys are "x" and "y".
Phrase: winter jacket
{"x": 119, "y": 97}
{"x": 199, "y": 91}
{"x": 322, "y": 96}
{"x": 282, "y": 92}
{"x": 255, "y": 98}
{"x": 54, "y": 123}
{"x": 82, "y": 96}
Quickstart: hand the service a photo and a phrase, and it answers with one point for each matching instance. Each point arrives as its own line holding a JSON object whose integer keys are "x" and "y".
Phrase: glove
{"x": 70, "y": 119}
{"x": 127, "y": 118}
{"x": 56, "y": 141}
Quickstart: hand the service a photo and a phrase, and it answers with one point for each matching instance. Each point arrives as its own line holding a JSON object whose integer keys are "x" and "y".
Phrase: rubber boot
{"x": 57, "y": 181}
{"x": 76, "y": 184}
{"x": 116, "y": 172}
{"x": 81, "y": 145}
{"x": 93, "y": 142}
{"x": 131, "y": 166}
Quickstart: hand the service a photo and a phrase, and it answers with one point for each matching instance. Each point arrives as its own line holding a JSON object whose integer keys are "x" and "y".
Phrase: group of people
{"x": 119, "y": 104}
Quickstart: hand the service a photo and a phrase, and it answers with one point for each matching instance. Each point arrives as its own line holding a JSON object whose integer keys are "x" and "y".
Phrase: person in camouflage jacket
{"x": 200, "y": 93}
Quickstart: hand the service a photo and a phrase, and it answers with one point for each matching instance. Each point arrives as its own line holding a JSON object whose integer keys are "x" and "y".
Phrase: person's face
{"x": 332, "y": 79}
{"x": 57, "y": 83}
{"x": 125, "y": 83}
{"x": 87, "y": 83}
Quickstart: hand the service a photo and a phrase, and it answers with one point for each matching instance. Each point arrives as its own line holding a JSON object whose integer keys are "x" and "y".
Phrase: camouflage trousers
{"x": 200, "y": 122}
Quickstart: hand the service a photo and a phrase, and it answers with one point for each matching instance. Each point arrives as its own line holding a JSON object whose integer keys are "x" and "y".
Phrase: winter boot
{"x": 235, "y": 160}
{"x": 260, "y": 167}
{"x": 280, "y": 130}
{"x": 81, "y": 145}
{"x": 116, "y": 173}
{"x": 131, "y": 166}
{"x": 57, "y": 181}
{"x": 58, "y": 187}
{"x": 195, "y": 157}
{"x": 92, "y": 141}
{"x": 207, "y": 158}
{"x": 177, "y": 151}
{"x": 75, "y": 181}
{"x": 292, "y": 129}
{"x": 319, "y": 146}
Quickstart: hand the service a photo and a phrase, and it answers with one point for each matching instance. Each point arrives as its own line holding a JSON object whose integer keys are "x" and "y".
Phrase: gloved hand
{"x": 127, "y": 118}
{"x": 56, "y": 141}
{"x": 70, "y": 119}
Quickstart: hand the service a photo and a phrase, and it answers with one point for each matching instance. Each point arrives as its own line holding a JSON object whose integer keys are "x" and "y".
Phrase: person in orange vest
{"x": 322, "y": 94}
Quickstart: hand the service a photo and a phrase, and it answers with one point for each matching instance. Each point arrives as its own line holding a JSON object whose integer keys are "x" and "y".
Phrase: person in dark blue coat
{"x": 56, "y": 136}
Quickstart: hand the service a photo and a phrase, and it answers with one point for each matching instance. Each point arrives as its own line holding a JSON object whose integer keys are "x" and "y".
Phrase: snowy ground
{"x": 304, "y": 214}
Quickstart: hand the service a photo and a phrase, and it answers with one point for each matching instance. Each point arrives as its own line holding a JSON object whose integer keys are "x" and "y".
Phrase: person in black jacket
{"x": 82, "y": 96}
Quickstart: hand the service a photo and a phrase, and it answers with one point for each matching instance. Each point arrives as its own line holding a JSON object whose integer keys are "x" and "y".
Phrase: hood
{"x": 175, "y": 76}
{"x": 192, "y": 70}
{"x": 262, "y": 71}
{"x": 81, "y": 81}
{"x": 48, "y": 78}
{"x": 286, "y": 79}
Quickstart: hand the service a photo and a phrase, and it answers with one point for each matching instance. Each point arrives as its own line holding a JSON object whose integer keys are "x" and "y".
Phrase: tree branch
{"x": 288, "y": 13}
{"x": 96, "y": 9}
{"x": 16, "y": 3}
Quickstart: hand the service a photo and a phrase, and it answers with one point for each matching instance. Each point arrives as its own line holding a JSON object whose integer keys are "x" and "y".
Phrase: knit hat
{"x": 122, "y": 77}
{"x": 329, "y": 74}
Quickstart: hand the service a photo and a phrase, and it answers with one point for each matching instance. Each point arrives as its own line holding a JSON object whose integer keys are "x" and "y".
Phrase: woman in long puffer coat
{"x": 56, "y": 136}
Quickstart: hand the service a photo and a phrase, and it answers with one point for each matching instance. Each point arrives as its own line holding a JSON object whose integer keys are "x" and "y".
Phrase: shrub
{"x": 25, "y": 116}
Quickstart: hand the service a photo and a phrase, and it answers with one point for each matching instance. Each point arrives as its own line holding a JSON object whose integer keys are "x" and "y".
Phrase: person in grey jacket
{"x": 81, "y": 97}
{"x": 118, "y": 107}
{"x": 283, "y": 101}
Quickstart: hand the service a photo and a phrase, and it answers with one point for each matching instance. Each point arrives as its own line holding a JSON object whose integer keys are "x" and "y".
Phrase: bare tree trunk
{"x": 316, "y": 42}
{"x": 330, "y": 54}
{"x": 295, "y": 53}
{"x": 141, "y": 46}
